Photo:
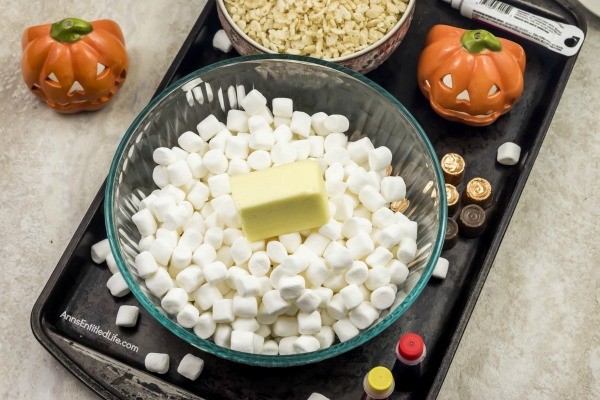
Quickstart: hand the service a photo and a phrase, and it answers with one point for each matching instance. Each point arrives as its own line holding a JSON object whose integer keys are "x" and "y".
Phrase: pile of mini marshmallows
{"x": 289, "y": 294}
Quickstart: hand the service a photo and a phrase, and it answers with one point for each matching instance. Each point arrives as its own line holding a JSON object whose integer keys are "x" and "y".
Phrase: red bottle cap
{"x": 411, "y": 346}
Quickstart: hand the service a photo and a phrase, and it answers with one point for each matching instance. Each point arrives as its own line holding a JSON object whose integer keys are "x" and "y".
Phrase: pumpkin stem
{"x": 70, "y": 30}
{"x": 478, "y": 40}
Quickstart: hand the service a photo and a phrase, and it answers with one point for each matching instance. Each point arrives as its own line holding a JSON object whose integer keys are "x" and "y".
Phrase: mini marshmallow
{"x": 317, "y": 146}
{"x": 224, "y": 205}
{"x": 283, "y": 107}
{"x": 157, "y": 362}
{"x": 206, "y": 296}
{"x": 240, "y": 250}
{"x": 270, "y": 348}
{"x": 242, "y": 340}
{"x": 222, "y": 335}
{"x": 360, "y": 245}
{"x": 325, "y": 295}
{"x": 174, "y": 300}
{"x": 355, "y": 225}
{"x": 357, "y": 180}
{"x": 100, "y": 251}
{"x": 215, "y": 161}
{"x": 238, "y": 167}
{"x": 357, "y": 274}
{"x": 127, "y": 316}
{"x": 259, "y": 160}
{"x": 378, "y": 276}
{"x": 222, "y": 311}
{"x": 276, "y": 251}
{"x": 317, "y": 273}
{"x": 261, "y": 140}
{"x": 263, "y": 317}
{"x": 178, "y": 216}
{"x": 508, "y": 154}
{"x": 190, "y": 278}
{"x": 145, "y": 243}
{"x": 274, "y": 303}
{"x": 398, "y": 272}
{"x": 278, "y": 121}
{"x": 204, "y": 255}
{"x": 390, "y": 236}
{"x": 245, "y": 306}
{"x": 340, "y": 259}
{"x": 264, "y": 331}
{"x": 206, "y": 326}
{"x": 393, "y": 188}
{"x": 215, "y": 272}
{"x": 177, "y": 194}
{"x": 352, "y": 296}
{"x": 371, "y": 198}
{"x": 291, "y": 287}
{"x": 161, "y": 251}
{"x": 112, "y": 264}
{"x": 306, "y": 344}
{"x": 208, "y": 127}
{"x": 317, "y": 123}
{"x": 286, "y": 345}
{"x": 283, "y": 134}
{"x": 441, "y": 268}
{"x": 259, "y": 341}
{"x": 345, "y": 330}
{"x": 159, "y": 283}
{"x": 219, "y": 142}
{"x": 245, "y": 324}
{"x": 383, "y": 218}
{"x": 302, "y": 149}
{"x": 285, "y": 326}
{"x": 325, "y": 337}
{"x": 363, "y": 315}
{"x": 308, "y": 301}
{"x": 253, "y": 102}
{"x": 406, "y": 251}
{"x": 335, "y": 188}
{"x": 259, "y": 245}
{"x": 337, "y": 308}
{"x": 383, "y": 297}
{"x": 199, "y": 195}
{"x": 247, "y": 285}
{"x": 191, "y": 239}
{"x": 220, "y": 41}
{"x": 333, "y": 247}
{"x": 259, "y": 263}
{"x": 265, "y": 285}
{"x": 326, "y": 318}
{"x": 335, "y": 140}
{"x": 301, "y": 123}
{"x": 237, "y": 121}
{"x": 191, "y": 366}
{"x": 336, "y": 123}
{"x": 196, "y": 223}
{"x": 190, "y": 142}
{"x": 344, "y": 205}
{"x": 283, "y": 153}
{"x": 164, "y": 156}
{"x": 317, "y": 243}
{"x": 234, "y": 272}
{"x": 359, "y": 150}
{"x": 117, "y": 285}
{"x": 214, "y": 237}
{"x": 145, "y": 222}
{"x": 291, "y": 241}
{"x": 237, "y": 147}
{"x": 336, "y": 155}
{"x": 335, "y": 172}
{"x": 181, "y": 257}
{"x": 380, "y": 158}
{"x": 332, "y": 230}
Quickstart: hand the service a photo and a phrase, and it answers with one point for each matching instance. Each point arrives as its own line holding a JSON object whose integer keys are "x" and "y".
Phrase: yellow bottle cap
{"x": 380, "y": 381}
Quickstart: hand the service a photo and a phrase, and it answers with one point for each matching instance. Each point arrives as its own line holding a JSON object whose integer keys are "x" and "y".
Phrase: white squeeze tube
{"x": 562, "y": 38}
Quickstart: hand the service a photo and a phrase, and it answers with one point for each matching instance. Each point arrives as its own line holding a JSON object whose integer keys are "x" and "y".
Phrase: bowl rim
{"x": 407, "y": 13}
{"x": 260, "y": 359}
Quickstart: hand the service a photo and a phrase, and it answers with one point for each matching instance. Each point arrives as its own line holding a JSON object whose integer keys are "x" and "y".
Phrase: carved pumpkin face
{"x": 74, "y": 65}
{"x": 470, "y": 76}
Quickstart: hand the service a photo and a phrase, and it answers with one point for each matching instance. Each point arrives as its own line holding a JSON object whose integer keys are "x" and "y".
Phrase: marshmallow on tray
{"x": 117, "y": 285}
{"x": 509, "y": 154}
{"x": 100, "y": 251}
{"x": 222, "y": 42}
{"x": 127, "y": 316}
{"x": 157, "y": 362}
{"x": 190, "y": 367}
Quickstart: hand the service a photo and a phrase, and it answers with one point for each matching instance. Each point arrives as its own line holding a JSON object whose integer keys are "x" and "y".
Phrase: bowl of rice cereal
{"x": 358, "y": 34}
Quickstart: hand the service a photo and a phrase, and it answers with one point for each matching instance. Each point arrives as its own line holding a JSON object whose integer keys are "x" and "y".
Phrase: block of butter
{"x": 280, "y": 200}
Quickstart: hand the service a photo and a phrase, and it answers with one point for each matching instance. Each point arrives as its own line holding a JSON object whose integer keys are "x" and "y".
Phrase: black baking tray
{"x": 77, "y": 289}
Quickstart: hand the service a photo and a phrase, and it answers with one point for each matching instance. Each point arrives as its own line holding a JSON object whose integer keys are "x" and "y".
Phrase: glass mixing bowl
{"x": 314, "y": 86}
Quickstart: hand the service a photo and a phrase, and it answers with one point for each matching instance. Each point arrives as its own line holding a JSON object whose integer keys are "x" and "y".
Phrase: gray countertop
{"x": 534, "y": 332}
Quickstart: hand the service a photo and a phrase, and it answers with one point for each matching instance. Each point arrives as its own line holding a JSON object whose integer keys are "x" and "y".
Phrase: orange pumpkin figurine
{"x": 471, "y": 77}
{"x": 74, "y": 65}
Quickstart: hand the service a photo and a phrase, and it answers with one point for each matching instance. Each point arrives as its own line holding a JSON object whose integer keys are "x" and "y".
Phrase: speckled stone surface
{"x": 534, "y": 333}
